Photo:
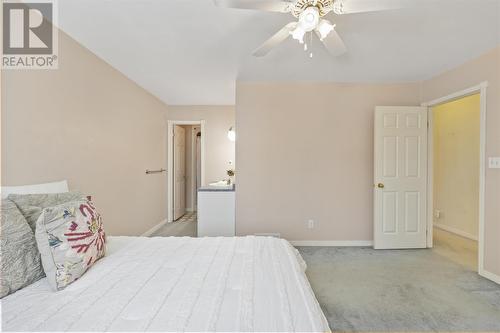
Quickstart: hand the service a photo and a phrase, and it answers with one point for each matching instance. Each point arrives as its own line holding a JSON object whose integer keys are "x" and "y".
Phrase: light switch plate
{"x": 494, "y": 163}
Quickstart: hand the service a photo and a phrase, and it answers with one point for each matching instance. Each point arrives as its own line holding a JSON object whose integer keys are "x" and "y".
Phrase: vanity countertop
{"x": 228, "y": 188}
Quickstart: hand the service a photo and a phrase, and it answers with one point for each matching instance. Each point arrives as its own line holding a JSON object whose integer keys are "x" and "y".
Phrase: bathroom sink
{"x": 222, "y": 183}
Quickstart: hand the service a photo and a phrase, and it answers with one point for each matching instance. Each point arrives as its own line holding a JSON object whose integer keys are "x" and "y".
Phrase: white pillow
{"x": 55, "y": 187}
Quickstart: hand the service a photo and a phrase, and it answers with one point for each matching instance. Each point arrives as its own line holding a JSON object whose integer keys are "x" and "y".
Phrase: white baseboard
{"x": 335, "y": 243}
{"x": 154, "y": 229}
{"x": 268, "y": 234}
{"x": 455, "y": 231}
{"x": 490, "y": 276}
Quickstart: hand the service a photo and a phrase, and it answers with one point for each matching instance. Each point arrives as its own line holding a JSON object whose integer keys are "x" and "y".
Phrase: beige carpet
{"x": 361, "y": 289}
{"x": 183, "y": 227}
{"x": 461, "y": 250}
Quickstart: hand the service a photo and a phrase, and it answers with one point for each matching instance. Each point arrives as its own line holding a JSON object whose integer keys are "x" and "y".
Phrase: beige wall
{"x": 456, "y": 165}
{"x": 89, "y": 124}
{"x": 484, "y": 68}
{"x": 218, "y": 149}
{"x": 305, "y": 151}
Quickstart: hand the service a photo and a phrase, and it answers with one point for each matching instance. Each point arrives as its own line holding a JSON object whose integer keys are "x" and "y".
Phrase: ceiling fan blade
{"x": 277, "y": 38}
{"x": 361, "y": 6}
{"x": 266, "y": 5}
{"x": 333, "y": 43}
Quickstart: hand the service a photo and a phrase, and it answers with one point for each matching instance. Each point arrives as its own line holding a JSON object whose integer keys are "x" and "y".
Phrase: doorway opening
{"x": 186, "y": 164}
{"x": 455, "y": 186}
{"x": 474, "y": 97}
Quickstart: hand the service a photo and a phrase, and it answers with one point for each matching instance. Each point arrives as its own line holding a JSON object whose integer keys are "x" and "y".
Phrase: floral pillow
{"x": 70, "y": 238}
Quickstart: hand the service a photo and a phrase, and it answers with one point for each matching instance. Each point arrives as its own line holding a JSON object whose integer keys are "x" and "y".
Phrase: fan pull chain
{"x": 310, "y": 42}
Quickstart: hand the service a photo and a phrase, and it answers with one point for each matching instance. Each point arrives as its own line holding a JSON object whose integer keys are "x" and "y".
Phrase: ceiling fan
{"x": 310, "y": 15}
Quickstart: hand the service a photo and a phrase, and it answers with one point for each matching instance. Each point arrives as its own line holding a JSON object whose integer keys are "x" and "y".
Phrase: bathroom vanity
{"x": 216, "y": 211}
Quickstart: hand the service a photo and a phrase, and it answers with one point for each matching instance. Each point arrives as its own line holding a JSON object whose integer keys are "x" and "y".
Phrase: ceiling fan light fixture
{"x": 324, "y": 28}
{"x": 309, "y": 14}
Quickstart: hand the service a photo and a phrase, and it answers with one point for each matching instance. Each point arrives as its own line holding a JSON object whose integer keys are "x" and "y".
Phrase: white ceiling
{"x": 189, "y": 52}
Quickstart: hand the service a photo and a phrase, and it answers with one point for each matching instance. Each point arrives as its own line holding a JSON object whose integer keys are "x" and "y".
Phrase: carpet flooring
{"x": 361, "y": 289}
{"x": 458, "y": 249}
{"x": 183, "y": 227}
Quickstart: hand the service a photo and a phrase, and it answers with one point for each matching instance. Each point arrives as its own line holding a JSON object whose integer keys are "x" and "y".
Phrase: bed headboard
{"x": 55, "y": 187}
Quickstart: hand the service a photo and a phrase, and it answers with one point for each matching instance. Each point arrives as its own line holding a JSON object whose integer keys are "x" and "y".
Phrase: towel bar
{"x": 148, "y": 172}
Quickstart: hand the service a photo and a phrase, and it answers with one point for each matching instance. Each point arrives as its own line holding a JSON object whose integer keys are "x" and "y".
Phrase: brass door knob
{"x": 380, "y": 185}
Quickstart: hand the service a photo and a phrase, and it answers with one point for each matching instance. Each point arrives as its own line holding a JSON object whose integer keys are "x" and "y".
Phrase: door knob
{"x": 380, "y": 185}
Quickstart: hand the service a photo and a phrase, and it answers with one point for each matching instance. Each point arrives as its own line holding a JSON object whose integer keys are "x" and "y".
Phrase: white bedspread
{"x": 177, "y": 284}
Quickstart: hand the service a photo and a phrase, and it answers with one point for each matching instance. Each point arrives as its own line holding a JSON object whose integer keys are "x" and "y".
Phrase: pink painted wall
{"x": 87, "y": 123}
{"x": 305, "y": 151}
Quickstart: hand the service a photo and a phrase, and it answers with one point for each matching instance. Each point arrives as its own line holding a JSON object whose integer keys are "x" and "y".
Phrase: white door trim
{"x": 170, "y": 160}
{"x": 481, "y": 89}
{"x": 194, "y": 162}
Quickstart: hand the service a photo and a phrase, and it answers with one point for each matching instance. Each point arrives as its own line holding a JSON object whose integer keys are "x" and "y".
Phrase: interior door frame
{"x": 170, "y": 160}
{"x": 194, "y": 174}
{"x": 482, "y": 90}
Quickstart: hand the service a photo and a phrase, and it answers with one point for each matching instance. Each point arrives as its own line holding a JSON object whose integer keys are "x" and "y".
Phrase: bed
{"x": 177, "y": 284}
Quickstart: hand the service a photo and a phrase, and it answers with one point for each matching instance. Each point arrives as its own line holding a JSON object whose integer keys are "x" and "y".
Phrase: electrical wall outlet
{"x": 437, "y": 213}
{"x": 494, "y": 163}
{"x": 310, "y": 224}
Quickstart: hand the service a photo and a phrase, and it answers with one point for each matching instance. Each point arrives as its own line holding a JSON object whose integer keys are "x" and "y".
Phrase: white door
{"x": 179, "y": 173}
{"x": 400, "y": 191}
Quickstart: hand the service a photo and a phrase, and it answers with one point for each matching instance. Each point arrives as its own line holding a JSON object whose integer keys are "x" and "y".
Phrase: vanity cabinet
{"x": 216, "y": 211}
